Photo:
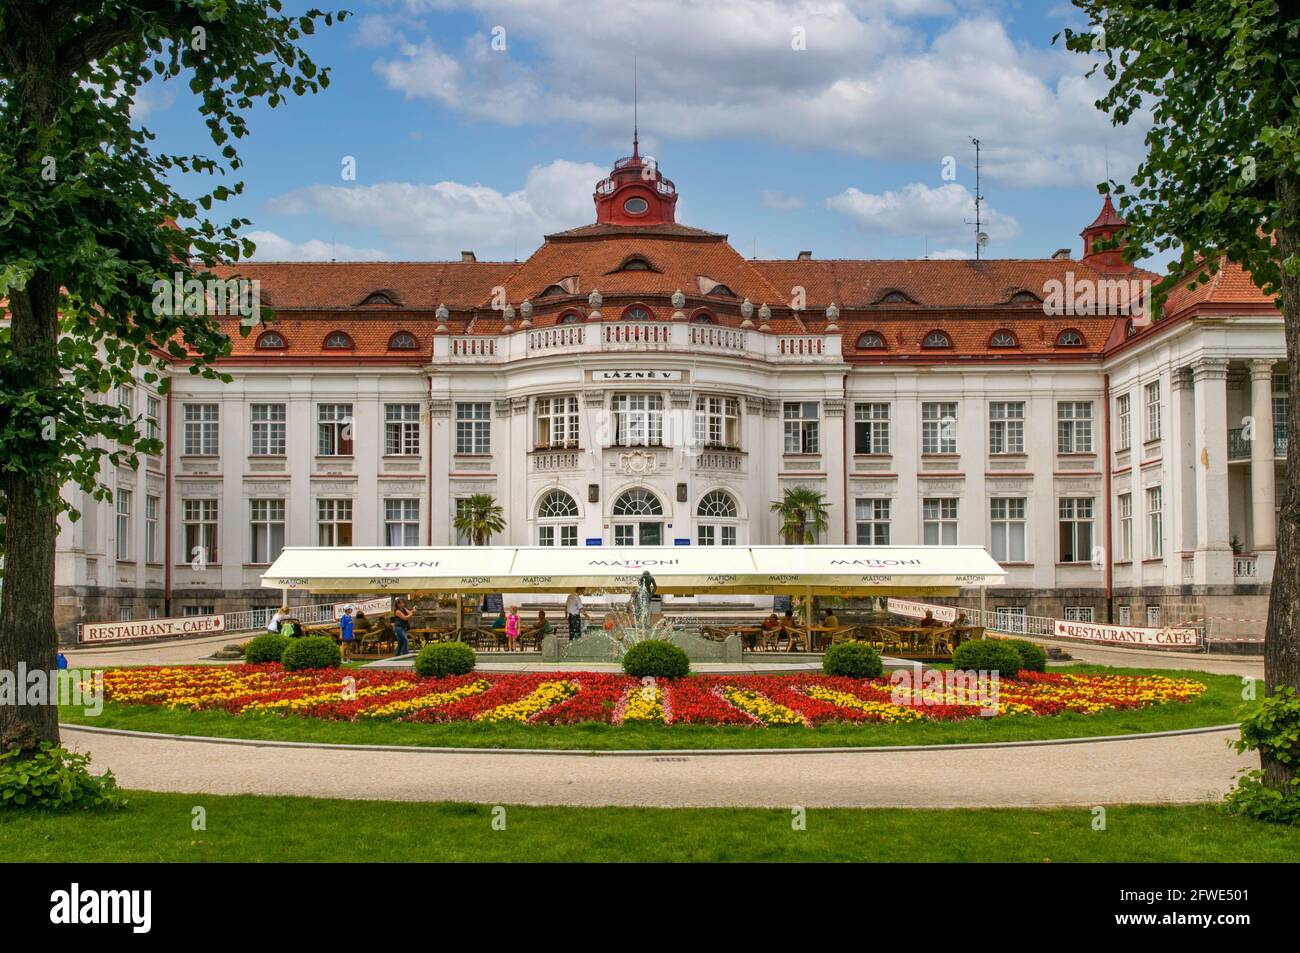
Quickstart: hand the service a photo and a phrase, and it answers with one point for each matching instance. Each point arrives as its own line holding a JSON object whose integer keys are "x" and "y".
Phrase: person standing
{"x": 345, "y": 632}
{"x": 402, "y": 613}
{"x": 573, "y": 609}
{"x": 512, "y": 628}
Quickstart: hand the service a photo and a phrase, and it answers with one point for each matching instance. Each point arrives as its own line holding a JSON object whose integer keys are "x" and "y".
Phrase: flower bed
{"x": 577, "y": 697}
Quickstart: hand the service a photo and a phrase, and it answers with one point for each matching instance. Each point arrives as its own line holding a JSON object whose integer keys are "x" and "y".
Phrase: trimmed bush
{"x": 656, "y": 658}
{"x": 445, "y": 658}
{"x": 311, "y": 651}
{"x": 266, "y": 648}
{"x": 1273, "y": 729}
{"x": 988, "y": 655}
{"x": 54, "y": 779}
{"x": 853, "y": 660}
{"x": 1032, "y": 656}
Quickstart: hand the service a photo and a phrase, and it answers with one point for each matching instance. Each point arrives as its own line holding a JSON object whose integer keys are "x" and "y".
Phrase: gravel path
{"x": 1184, "y": 768}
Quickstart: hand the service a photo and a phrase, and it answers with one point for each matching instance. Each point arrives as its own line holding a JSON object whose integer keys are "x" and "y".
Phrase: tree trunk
{"x": 1282, "y": 637}
{"x": 27, "y": 635}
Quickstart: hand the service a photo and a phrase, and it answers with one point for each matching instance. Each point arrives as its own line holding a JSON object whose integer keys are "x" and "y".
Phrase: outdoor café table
{"x": 434, "y": 634}
{"x": 748, "y": 634}
{"x": 817, "y": 630}
{"x": 914, "y": 633}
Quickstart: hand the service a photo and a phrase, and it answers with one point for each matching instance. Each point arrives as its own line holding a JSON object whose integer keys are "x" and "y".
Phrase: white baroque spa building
{"x": 638, "y": 382}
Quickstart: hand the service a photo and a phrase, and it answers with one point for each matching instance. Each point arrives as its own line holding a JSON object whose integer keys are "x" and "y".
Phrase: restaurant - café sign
{"x": 917, "y": 610}
{"x": 1128, "y": 634}
{"x": 152, "y": 628}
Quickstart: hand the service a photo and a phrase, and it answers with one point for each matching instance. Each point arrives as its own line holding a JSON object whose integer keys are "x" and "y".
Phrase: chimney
{"x": 804, "y": 256}
{"x": 1061, "y": 254}
{"x": 467, "y": 256}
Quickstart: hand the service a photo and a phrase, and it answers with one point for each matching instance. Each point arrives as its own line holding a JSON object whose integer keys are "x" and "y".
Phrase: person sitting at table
{"x": 930, "y": 621}
{"x": 788, "y": 621}
{"x": 499, "y": 623}
{"x": 771, "y": 622}
{"x": 543, "y": 628}
{"x": 960, "y": 622}
{"x": 831, "y": 621}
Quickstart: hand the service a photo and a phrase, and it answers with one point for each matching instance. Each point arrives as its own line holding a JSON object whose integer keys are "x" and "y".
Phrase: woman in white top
{"x": 274, "y": 624}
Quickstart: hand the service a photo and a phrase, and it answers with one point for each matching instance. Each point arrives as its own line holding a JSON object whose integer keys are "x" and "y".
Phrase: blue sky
{"x": 838, "y": 146}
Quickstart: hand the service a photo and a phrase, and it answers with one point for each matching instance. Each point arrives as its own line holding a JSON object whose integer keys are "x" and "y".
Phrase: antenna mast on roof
{"x": 981, "y": 238}
{"x": 636, "y": 146}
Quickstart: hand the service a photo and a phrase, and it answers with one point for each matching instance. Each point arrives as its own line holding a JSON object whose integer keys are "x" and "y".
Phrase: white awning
{"x": 878, "y": 570}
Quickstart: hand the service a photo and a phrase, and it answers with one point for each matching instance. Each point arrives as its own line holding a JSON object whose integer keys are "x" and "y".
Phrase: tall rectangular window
{"x": 125, "y": 397}
{"x": 557, "y": 421}
{"x": 333, "y": 522}
{"x": 401, "y": 522}
{"x": 474, "y": 426}
{"x": 200, "y": 430}
{"x": 873, "y": 522}
{"x": 1152, "y": 392}
{"x": 462, "y": 537}
{"x": 1153, "y": 616}
{"x": 1124, "y": 615}
{"x": 1076, "y": 516}
{"x": 401, "y": 429}
{"x": 1009, "y": 618}
{"x": 939, "y": 521}
{"x": 1074, "y": 426}
{"x": 939, "y": 427}
{"x": 267, "y": 526}
{"x": 124, "y": 500}
{"x": 152, "y": 509}
{"x": 717, "y": 422}
{"x": 334, "y": 430}
{"x": 802, "y": 420}
{"x": 1281, "y": 413}
{"x": 1006, "y": 427}
{"x": 1007, "y": 529}
{"x": 153, "y": 418}
{"x": 268, "y": 429}
{"x": 1125, "y": 542}
{"x": 1078, "y": 613}
{"x": 871, "y": 428}
{"x": 1123, "y": 423}
{"x": 199, "y": 517}
{"x": 638, "y": 420}
{"x": 1155, "y": 523}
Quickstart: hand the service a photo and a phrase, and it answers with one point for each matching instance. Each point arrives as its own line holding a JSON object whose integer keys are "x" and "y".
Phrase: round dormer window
{"x": 636, "y": 206}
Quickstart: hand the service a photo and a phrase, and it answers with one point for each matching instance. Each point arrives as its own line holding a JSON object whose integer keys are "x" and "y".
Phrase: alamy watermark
{"x": 76, "y": 688}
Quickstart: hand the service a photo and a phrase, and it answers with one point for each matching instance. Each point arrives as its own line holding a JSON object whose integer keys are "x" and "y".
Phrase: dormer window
{"x": 553, "y": 291}
{"x": 937, "y": 339}
{"x": 1069, "y": 338}
{"x": 723, "y": 291}
{"x": 894, "y": 296}
{"x": 569, "y": 318}
{"x": 1003, "y": 339}
{"x": 403, "y": 341}
{"x": 871, "y": 341}
{"x": 338, "y": 341}
{"x": 1130, "y": 328}
{"x": 378, "y": 297}
{"x": 1025, "y": 297}
{"x": 637, "y": 313}
{"x": 634, "y": 263}
{"x": 271, "y": 341}
{"x": 702, "y": 317}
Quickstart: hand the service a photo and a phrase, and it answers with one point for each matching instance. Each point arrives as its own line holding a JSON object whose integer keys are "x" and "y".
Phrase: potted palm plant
{"x": 803, "y": 515}
{"x": 478, "y": 517}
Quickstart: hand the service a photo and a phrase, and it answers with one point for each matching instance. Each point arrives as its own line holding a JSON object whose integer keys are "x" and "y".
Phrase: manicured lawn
{"x": 1220, "y": 704}
{"x": 157, "y": 827}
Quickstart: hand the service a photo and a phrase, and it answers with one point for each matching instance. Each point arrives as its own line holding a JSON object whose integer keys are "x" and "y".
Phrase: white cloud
{"x": 273, "y": 247}
{"x": 950, "y": 254}
{"x": 869, "y": 82}
{"x": 918, "y": 209}
{"x": 438, "y": 220}
{"x": 780, "y": 201}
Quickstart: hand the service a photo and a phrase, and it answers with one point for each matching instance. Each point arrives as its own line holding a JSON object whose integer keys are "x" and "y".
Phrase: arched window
{"x": 894, "y": 296}
{"x": 1025, "y": 297}
{"x": 569, "y": 318}
{"x": 556, "y": 520}
{"x": 702, "y": 317}
{"x": 871, "y": 341}
{"x": 1003, "y": 339}
{"x": 1130, "y": 328}
{"x": 717, "y": 524}
{"x": 1069, "y": 338}
{"x": 937, "y": 339}
{"x": 638, "y": 519}
{"x": 722, "y": 291}
{"x": 378, "y": 297}
{"x": 637, "y": 313}
{"x": 338, "y": 341}
{"x": 553, "y": 291}
{"x": 403, "y": 341}
{"x": 636, "y": 264}
{"x": 270, "y": 341}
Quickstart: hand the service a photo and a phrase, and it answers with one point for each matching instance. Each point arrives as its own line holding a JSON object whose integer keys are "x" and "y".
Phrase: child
{"x": 512, "y": 628}
{"x": 345, "y": 632}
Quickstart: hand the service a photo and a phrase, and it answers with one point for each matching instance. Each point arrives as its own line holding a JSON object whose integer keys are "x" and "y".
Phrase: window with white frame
{"x": 1125, "y": 542}
{"x": 1007, "y": 529}
{"x": 199, "y": 517}
{"x": 871, "y": 427}
{"x": 125, "y": 399}
{"x": 1123, "y": 422}
{"x": 474, "y": 426}
{"x": 1155, "y": 523}
{"x": 124, "y": 500}
{"x": 557, "y": 520}
{"x": 153, "y": 418}
{"x": 802, "y": 420}
{"x": 939, "y": 427}
{"x": 401, "y": 522}
{"x": 1078, "y": 613}
{"x": 717, "y": 421}
{"x": 191, "y": 611}
{"x": 401, "y": 430}
{"x": 1006, "y": 426}
{"x": 1009, "y": 618}
{"x": 124, "y": 613}
{"x": 1075, "y": 524}
{"x": 152, "y": 510}
{"x": 1153, "y": 616}
{"x": 199, "y": 436}
{"x": 1124, "y": 615}
{"x": 269, "y": 429}
{"x": 1152, "y": 392}
{"x": 462, "y": 536}
{"x": 939, "y": 521}
{"x": 334, "y": 430}
{"x": 638, "y": 420}
{"x": 557, "y": 421}
{"x": 1281, "y": 412}
{"x": 333, "y": 522}
{"x": 638, "y": 519}
{"x": 872, "y": 519}
{"x": 266, "y": 525}
{"x": 717, "y": 519}
{"x": 1074, "y": 426}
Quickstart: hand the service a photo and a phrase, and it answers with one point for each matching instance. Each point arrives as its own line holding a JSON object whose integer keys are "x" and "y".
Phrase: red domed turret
{"x": 635, "y": 193}
{"x": 1104, "y": 227}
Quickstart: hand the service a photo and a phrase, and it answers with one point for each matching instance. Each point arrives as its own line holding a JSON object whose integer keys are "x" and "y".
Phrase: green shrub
{"x": 852, "y": 659}
{"x": 266, "y": 648}
{"x": 55, "y": 779}
{"x": 1032, "y": 656}
{"x": 988, "y": 655}
{"x": 656, "y": 658}
{"x": 1273, "y": 729}
{"x": 312, "y": 651}
{"x": 445, "y": 658}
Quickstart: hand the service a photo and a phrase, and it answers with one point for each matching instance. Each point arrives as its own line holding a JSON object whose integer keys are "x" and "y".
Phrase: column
{"x": 1262, "y": 490}
{"x": 1214, "y": 550}
{"x": 1181, "y": 467}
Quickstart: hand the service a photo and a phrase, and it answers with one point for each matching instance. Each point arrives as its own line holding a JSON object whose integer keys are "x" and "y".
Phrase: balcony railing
{"x": 1244, "y": 567}
{"x": 1239, "y": 447}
